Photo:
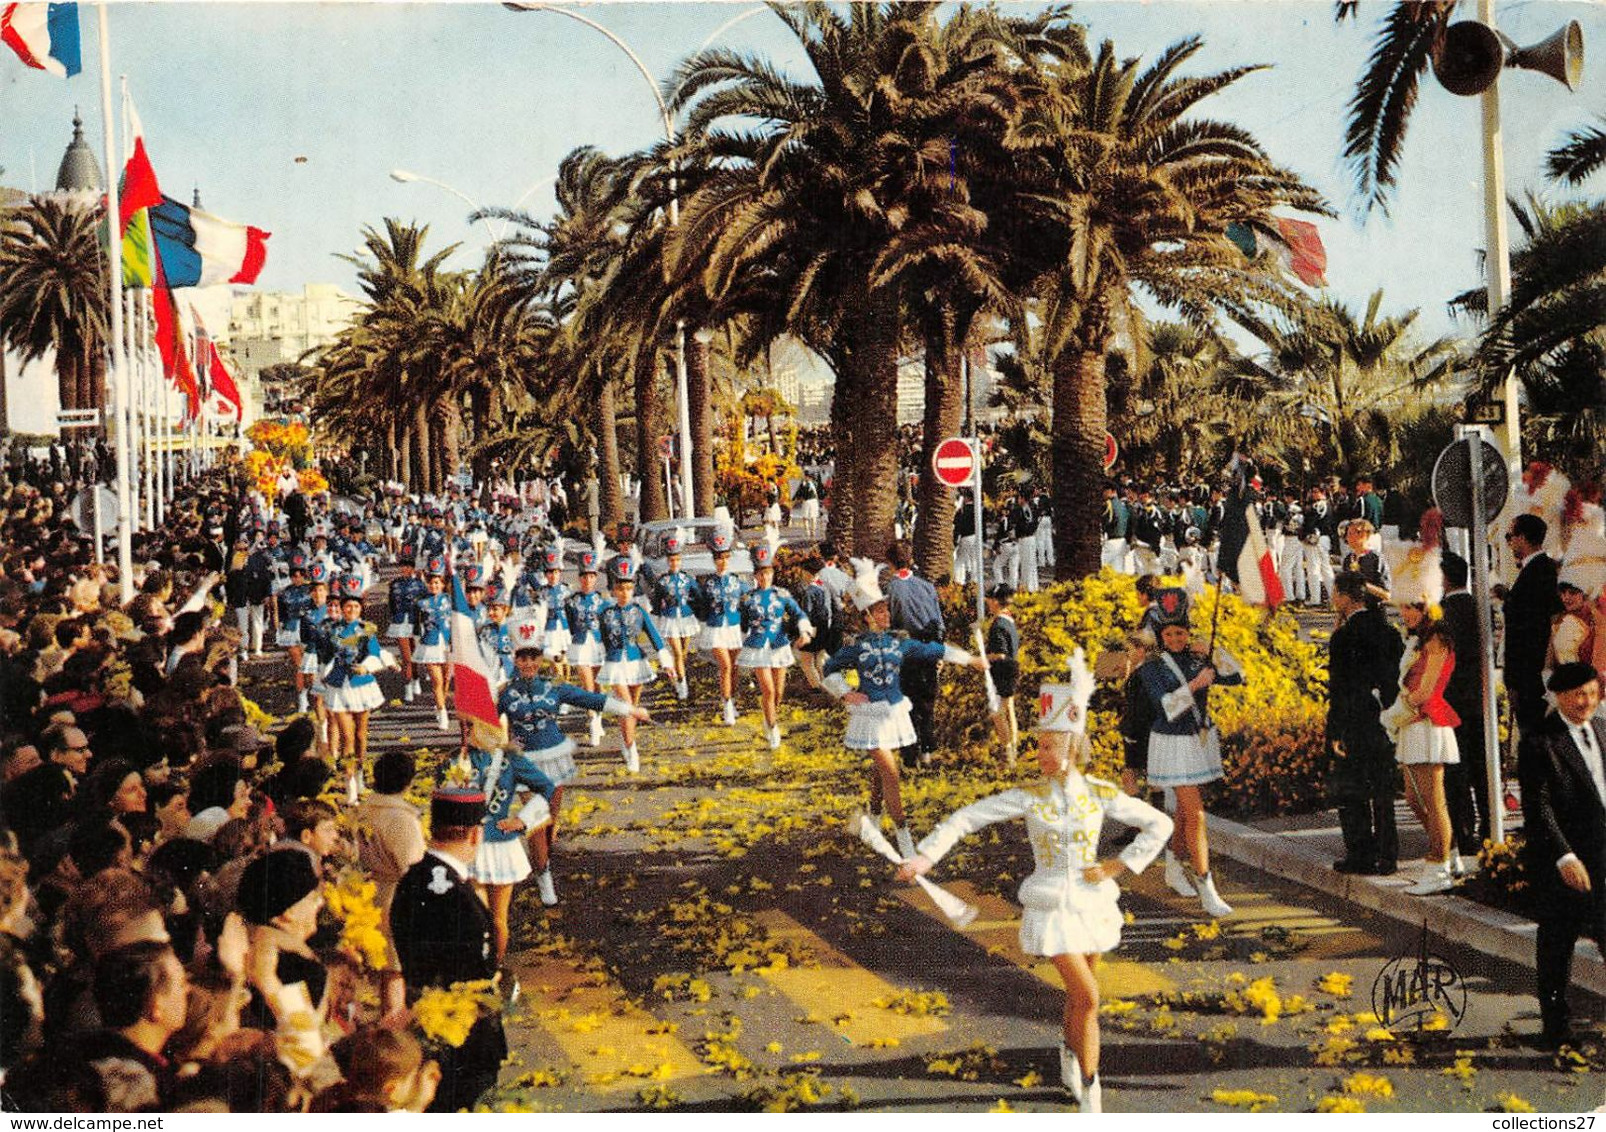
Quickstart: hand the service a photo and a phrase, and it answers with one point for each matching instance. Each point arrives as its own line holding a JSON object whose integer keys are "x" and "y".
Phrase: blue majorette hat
{"x": 318, "y": 573}
{"x": 552, "y": 558}
{"x": 763, "y": 557}
{"x": 588, "y": 562}
{"x": 721, "y": 540}
{"x": 622, "y": 569}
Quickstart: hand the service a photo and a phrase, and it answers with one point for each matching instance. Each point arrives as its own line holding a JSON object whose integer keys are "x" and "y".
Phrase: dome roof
{"x": 80, "y": 171}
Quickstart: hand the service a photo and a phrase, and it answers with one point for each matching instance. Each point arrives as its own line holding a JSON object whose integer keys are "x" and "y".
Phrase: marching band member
{"x": 672, "y": 608}
{"x": 878, "y": 717}
{"x": 314, "y": 625}
{"x": 625, "y": 667}
{"x": 766, "y": 611}
{"x": 1070, "y": 904}
{"x": 405, "y": 594}
{"x": 350, "y": 689}
{"x": 555, "y": 593}
{"x": 585, "y": 642}
{"x": 1184, "y": 748}
{"x": 433, "y": 619}
{"x": 718, "y": 602}
{"x": 293, "y": 601}
{"x": 501, "y": 860}
{"x": 496, "y": 635}
{"x": 529, "y": 708}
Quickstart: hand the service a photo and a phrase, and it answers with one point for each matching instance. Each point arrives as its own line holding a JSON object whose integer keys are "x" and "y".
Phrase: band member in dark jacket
{"x": 912, "y": 602}
{"x": 443, "y": 936}
{"x": 1363, "y": 679}
{"x": 1564, "y": 818}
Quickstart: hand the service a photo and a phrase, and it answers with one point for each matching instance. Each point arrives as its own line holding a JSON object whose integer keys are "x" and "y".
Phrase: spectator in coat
{"x": 1529, "y": 603}
{"x": 912, "y": 602}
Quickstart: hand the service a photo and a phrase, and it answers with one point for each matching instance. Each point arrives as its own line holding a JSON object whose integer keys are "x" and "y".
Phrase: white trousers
{"x": 1146, "y": 560}
{"x": 1026, "y": 556}
{"x": 1045, "y": 543}
{"x": 1291, "y": 569}
{"x": 1114, "y": 555}
{"x": 251, "y": 620}
{"x": 967, "y": 559}
{"x": 1318, "y": 572}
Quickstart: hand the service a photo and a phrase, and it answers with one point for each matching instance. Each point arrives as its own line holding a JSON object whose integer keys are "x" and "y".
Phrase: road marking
{"x": 997, "y": 928}
{"x": 838, "y": 988}
{"x": 600, "y": 1032}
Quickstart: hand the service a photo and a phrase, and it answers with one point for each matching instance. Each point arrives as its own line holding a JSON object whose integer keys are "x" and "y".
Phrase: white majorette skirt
{"x": 1426, "y": 742}
{"x": 310, "y": 665}
{"x": 288, "y": 638}
{"x": 556, "y": 646}
{"x": 1184, "y": 760}
{"x": 353, "y": 698}
{"x": 556, "y": 762}
{"x": 399, "y": 629}
{"x": 720, "y": 637}
{"x": 879, "y": 726}
{"x": 588, "y": 652}
{"x": 681, "y": 628}
{"x": 631, "y": 673}
{"x": 766, "y": 656}
{"x": 1070, "y": 931}
{"x": 501, "y": 862}
{"x": 431, "y": 654}
{"x": 807, "y": 510}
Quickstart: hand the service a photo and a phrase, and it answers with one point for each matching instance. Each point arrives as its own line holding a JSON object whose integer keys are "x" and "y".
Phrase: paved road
{"x": 722, "y": 943}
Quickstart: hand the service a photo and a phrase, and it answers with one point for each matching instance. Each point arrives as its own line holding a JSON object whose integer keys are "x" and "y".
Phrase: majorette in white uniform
{"x": 1064, "y": 913}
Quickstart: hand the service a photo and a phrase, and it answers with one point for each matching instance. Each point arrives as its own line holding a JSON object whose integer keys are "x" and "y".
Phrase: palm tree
{"x": 53, "y": 295}
{"x": 1552, "y": 330}
{"x": 1577, "y": 159}
{"x": 806, "y": 185}
{"x": 1127, "y": 189}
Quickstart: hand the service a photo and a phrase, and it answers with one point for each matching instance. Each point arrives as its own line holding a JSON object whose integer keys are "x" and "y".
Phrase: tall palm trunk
{"x": 450, "y": 414}
{"x": 839, "y": 527}
{"x": 649, "y": 423}
{"x": 421, "y": 445}
{"x": 875, "y": 428}
{"x": 699, "y": 402}
{"x": 93, "y": 394}
{"x": 404, "y": 456}
{"x": 944, "y": 412}
{"x": 609, "y": 499}
{"x": 1080, "y": 421}
{"x": 67, "y": 380}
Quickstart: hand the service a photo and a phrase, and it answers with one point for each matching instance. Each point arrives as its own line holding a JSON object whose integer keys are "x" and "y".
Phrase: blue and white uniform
{"x": 583, "y": 612}
{"x": 883, "y": 723}
{"x": 294, "y": 601}
{"x": 672, "y": 596}
{"x": 1184, "y": 747}
{"x": 624, "y": 662}
{"x": 349, "y": 683}
{"x": 405, "y": 594}
{"x": 531, "y": 707}
{"x": 315, "y": 625}
{"x": 497, "y": 644}
{"x": 764, "y": 640}
{"x": 504, "y": 776}
{"x": 718, "y": 601}
{"x": 556, "y": 643}
{"x": 434, "y": 621}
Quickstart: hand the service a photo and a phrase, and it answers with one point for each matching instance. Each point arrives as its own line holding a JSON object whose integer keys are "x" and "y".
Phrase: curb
{"x": 1456, "y": 920}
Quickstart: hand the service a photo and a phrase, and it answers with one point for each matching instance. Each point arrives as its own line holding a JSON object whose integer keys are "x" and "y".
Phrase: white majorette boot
{"x": 408, "y": 692}
{"x": 1177, "y": 877}
{"x": 730, "y": 712}
{"x": 680, "y": 688}
{"x": 1210, "y": 899}
{"x": 301, "y": 701}
{"x": 442, "y": 721}
{"x": 773, "y": 733}
{"x": 1093, "y": 1095}
{"x": 596, "y": 729}
{"x": 549, "y": 891}
{"x": 906, "y": 841}
{"x": 632, "y": 758}
{"x": 1071, "y": 1073}
{"x": 1458, "y": 867}
{"x": 1436, "y": 878}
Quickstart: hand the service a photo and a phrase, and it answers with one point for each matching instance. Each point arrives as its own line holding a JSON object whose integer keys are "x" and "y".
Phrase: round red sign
{"x": 954, "y": 462}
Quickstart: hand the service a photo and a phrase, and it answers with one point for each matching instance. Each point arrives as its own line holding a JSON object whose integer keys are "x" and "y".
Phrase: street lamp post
{"x": 405, "y": 177}
{"x": 688, "y": 499}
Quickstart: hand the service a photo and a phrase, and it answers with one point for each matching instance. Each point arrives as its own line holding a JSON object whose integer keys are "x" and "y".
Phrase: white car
{"x": 695, "y": 557}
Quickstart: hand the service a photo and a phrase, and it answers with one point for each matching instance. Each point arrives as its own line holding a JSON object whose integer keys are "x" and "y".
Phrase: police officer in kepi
{"x": 443, "y": 936}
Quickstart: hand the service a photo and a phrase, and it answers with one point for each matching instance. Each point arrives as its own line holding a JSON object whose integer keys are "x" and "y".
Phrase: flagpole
{"x": 114, "y": 251}
{"x": 132, "y": 362}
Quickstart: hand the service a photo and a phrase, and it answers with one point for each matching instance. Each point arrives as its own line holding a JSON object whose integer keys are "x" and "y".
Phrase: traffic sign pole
{"x": 981, "y": 558}
{"x": 1478, "y": 549}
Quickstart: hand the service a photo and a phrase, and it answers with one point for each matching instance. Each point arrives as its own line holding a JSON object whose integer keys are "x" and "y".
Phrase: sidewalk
{"x": 1303, "y": 850}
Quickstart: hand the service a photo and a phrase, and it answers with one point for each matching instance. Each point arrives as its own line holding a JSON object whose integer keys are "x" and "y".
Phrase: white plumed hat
{"x": 866, "y": 584}
{"x": 1063, "y": 707}
{"x": 1416, "y": 576}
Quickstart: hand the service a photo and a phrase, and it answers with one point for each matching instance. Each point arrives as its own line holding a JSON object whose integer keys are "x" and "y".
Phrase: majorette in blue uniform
{"x": 502, "y": 776}
{"x": 582, "y": 611}
{"x": 673, "y": 595}
{"x": 770, "y": 619}
{"x": 555, "y": 594}
{"x": 351, "y": 658}
{"x": 496, "y": 635}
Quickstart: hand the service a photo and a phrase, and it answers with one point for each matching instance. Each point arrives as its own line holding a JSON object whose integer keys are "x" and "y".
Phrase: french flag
{"x": 198, "y": 249}
{"x": 1244, "y": 555}
{"x": 44, "y": 36}
{"x": 473, "y": 688}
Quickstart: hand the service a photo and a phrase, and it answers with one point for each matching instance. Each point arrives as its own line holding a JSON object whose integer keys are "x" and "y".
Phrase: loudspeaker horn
{"x": 1561, "y": 56}
{"x": 1469, "y": 57}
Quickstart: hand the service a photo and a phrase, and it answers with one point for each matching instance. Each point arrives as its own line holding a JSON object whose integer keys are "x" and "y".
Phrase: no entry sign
{"x": 954, "y": 462}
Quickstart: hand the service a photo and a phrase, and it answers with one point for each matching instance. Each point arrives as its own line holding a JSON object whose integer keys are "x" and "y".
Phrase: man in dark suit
{"x": 917, "y": 611}
{"x": 443, "y": 936}
{"x": 1530, "y": 603}
{"x": 1564, "y": 817}
{"x": 1363, "y": 679}
{"x": 1464, "y": 781}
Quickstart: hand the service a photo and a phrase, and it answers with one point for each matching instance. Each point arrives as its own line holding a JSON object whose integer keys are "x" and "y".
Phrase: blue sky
{"x": 490, "y": 100}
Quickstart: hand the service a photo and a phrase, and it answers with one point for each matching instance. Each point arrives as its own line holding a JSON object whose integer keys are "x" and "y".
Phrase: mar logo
{"x": 1412, "y": 990}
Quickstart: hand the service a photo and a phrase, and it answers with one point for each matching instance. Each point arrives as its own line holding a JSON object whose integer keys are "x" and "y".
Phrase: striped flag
{"x": 1243, "y": 554}
{"x": 44, "y": 36}
{"x": 473, "y": 686}
{"x": 198, "y": 249}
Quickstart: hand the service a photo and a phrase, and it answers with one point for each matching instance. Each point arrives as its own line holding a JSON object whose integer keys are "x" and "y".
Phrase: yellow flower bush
{"x": 1271, "y": 728}
{"x": 351, "y": 901}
